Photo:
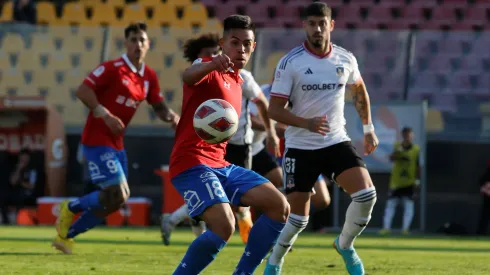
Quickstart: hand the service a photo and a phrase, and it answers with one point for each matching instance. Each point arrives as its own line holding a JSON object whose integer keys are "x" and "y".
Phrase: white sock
{"x": 289, "y": 234}
{"x": 357, "y": 216}
{"x": 408, "y": 211}
{"x": 179, "y": 215}
{"x": 244, "y": 213}
{"x": 390, "y": 210}
{"x": 198, "y": 228}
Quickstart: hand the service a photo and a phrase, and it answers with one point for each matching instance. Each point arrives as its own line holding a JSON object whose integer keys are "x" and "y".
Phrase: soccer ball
{"x": 215, "y": 121}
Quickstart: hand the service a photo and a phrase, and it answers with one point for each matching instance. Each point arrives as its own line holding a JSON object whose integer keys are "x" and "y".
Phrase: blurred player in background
{"x": 198, "y": 170}
{"x": 112, "y": 92}
{"x": 404, "y": 180}
{"x": 312, "y": 79}
{"x": 206, "y": 45}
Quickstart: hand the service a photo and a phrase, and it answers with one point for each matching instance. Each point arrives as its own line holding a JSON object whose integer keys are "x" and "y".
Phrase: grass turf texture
{"x": 26, "y": 250}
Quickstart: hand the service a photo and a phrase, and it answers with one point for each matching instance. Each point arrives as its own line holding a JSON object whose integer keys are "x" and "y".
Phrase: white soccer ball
{"x": 215, "y": 121}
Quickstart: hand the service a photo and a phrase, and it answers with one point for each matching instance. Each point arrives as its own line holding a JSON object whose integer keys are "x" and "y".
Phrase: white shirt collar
{"x": 132, "y": 67}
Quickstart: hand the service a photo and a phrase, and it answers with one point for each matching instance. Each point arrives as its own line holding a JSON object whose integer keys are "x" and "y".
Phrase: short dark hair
{"x": 236, "y": 21}
{"x": 317, "y": 9}
{"x": 193, "y": 47}
{"x": 134, "y": 27}
{"x": 407, "y": 130}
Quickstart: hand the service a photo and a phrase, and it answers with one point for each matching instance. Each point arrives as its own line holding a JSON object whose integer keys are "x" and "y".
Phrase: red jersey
{"x": 189, "y": 150}
{"x": 120, "y": 88}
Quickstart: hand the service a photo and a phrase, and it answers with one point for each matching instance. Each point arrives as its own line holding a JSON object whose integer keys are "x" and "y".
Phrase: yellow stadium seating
{"x": 103, "y": 14}
{"x": 42, "y": 41}
{"x": 195, "y": 14}
{"x": 4, "y": 59}
{"x": 46, "y": 13}
{"x": 142, "y": 116}
{"x": 11, "y": 79}
{"x": 29, "y": 60}
{"x": 179, "y": 3}
{"x": 165, "y": 14}
{"x": 73, "y": 14}
{"x": 7, "y": 12}
{"x": 133, "y": 13}
{"x": 155, "y": 59}
{"x": 12, "y": 42}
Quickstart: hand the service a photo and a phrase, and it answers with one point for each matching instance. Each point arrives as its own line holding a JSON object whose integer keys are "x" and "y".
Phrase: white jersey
{"x": 259, "y": 136}
{"x": 315, "y": 87}
{"x": 250, "y": 92}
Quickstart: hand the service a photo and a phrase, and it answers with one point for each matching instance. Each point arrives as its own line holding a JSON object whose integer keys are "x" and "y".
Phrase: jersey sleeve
{"x": 355, "y": 74}
{"x": 99, "y": 77}
{"x": 207, "y": 77}
{"x": 251, "y": 90}
{"x": 283, "y": 79}
{"x": 154, "y": 94}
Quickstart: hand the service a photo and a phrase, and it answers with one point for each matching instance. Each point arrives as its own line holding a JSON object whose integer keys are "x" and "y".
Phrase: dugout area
{"x": 28, "y": 122}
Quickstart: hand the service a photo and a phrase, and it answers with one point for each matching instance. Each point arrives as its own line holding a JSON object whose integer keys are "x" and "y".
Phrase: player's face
{"x": 238, "y": 45}
{"x": 209, "y": 51}
{"x": 408, "y": 137}
{"x": 318, "y": 30}
{"x": 137, "y": 45}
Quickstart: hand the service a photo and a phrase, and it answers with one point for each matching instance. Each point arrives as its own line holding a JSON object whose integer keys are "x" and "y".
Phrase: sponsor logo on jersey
{"x": 321, "y": 87}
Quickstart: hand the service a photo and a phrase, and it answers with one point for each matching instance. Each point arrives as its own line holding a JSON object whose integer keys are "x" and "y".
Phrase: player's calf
{"x": 357, "y": 182}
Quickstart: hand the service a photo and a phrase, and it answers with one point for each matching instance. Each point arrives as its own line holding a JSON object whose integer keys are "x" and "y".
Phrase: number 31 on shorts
{"x": 289, "y": 165}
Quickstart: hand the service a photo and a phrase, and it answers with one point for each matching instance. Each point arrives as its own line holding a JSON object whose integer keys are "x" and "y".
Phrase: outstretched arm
{"x": 195, "y": 73}
{"x": 165, "y": 113}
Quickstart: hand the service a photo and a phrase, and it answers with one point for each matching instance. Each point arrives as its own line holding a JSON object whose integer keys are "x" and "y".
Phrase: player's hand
{"x": 222, "y": 62}
{"x": 319, "y": 125}
{"x": 370, "y": 143}
{"x": 272, "y": 143}
{"x": 115, "y": 124}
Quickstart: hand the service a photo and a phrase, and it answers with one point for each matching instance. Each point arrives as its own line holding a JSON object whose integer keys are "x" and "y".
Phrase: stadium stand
{"x": 446, "y": 68}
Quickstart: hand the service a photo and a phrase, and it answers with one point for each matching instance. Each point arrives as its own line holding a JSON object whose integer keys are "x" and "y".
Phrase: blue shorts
{"x": 202, "y": 186}
{"x": 106, "y": 165}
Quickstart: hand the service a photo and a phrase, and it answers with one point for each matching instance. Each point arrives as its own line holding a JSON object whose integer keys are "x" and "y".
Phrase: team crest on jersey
{"x": 340, "y": 71}
{"x": 290, "y": 181}
{"x": 227, "y": 85}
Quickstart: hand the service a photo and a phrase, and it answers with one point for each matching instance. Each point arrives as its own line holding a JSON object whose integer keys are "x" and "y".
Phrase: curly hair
{"x": 193, "y": 47}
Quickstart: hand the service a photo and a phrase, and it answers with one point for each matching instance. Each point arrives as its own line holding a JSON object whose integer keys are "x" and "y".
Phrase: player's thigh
{"x": 239, "y": 155}
{"x": 348, "y": 168}
{"x": 201, "y": 188}
{"x": 321, "y": 198}
{"x": 247, "y": 188}
{"x": 104, "y": 166}
{"x": 300, "y": 172}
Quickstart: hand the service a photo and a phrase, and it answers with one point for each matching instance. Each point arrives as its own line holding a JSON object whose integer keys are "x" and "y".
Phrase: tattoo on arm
{"x": 360, "y": 98}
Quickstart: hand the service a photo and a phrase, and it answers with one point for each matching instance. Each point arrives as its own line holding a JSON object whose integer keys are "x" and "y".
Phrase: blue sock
{"x": 263, "y": 236}
{"x": 200, "y": 254}
{"x": 85, "y": 222}
{"x": 85, "y": 203}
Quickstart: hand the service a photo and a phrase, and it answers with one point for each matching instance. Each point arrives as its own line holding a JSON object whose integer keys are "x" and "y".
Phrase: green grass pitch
{"x": 26, "y": 250}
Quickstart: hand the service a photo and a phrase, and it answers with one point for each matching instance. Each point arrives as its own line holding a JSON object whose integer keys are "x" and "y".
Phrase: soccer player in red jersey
{"x": 198, "y": 170}
{"x": 112, "y": 92}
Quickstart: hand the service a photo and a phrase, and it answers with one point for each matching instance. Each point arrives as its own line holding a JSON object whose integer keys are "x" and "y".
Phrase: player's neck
{"x": 136, "y": 63}
{"x": 319, "y": 52}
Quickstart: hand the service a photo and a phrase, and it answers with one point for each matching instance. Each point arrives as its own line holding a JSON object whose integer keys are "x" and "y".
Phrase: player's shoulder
{"x": 342, "y": 52}
{"x": 291, "y": 57}
{"x": 150, "y": 71}
{"x": 246, "y": 75}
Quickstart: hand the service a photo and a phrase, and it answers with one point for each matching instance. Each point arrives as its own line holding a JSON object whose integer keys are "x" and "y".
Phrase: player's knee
{"x": 366, "y": 197}
{"x": 113, "y": 197}
{"x": 278, "y": 210}
{"x": 322, "y": 203}
{"x": 221, "y": 220}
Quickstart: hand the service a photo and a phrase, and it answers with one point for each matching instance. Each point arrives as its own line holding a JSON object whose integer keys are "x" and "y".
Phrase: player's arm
{"x": 195, "y": 73}
{"x": 272, "y": 138}
{"x": 360, "y": 98}
{"x": 165, "y": 113}
{"x": 99, "y": 79}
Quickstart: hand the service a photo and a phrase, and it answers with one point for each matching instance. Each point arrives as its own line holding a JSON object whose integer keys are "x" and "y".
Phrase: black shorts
{"x": 403, "y": 192}
{"x": 302, "y": 167}
{"x": 263, "y": 163}
{"x": 240, "y": 155}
